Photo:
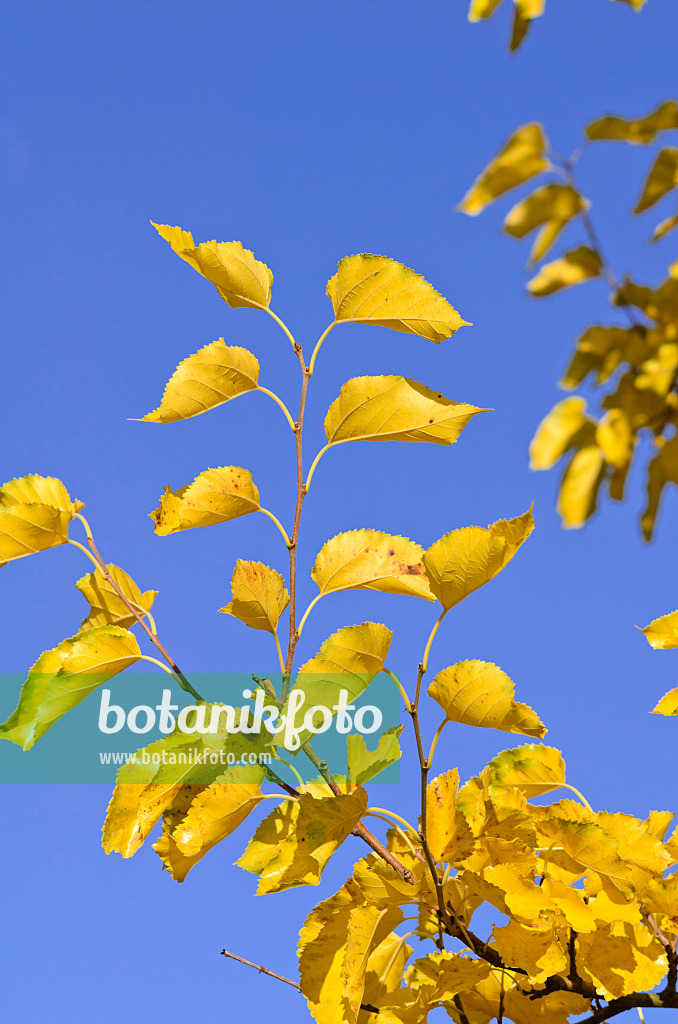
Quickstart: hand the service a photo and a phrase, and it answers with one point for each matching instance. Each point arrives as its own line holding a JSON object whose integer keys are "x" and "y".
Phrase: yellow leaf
{"x": 294, "y": 843}
{"x": 574, "y": 267}
{"x": 668, "y": 705}
{"x": 238, "y": 277}
{"x": 39, "y": 490}
{"x": 553, "y": 1008}
{"x": 662, "y": 633}
{"x": 616, "y": 964}
{"x": 213, "y": 815}
{"x": 609, "y": 911}
{"x": 445, "y": 975}
{"x": 371, "y": 560}
{"x": 480, "y": 694}
{"x": 662, "y": 178}
{"x": 614, "y": 436}
{"x": 639, "y": 131}
{"x": 363, "y": 763}
{"x": 465, "y": 560}
{"x": 395, "y": 409}
{"x": 506, "y": 888}
{"x": 106, "y": 607}
{"x": 348, "y": 660}
{"x": 580, "y": 485}
{"x": 63, "y": 677}
{"x": 481, "y": 9}
{"x": 570, "y": 902}
{"x": 446, "y": 828}
{"x": 215, "y": 496}
{"x": 521, "y": 158}
{"x": 565, "y": 427}
{"x": 385, "y": 968}
{"x": 376, "y": 290}
{"x": 549, "y": 208}
{"x": 524, "y": 12}
{"x": 534, "y": 769}
{"x": 536, "y": 950}
{"x": 213, "y": 375}
{"x": 664, "y": 226}
{"x": 35, "y": 512}
{"x": 335, "y": 945}
{"x": 259, "y": 596}
{"x": 663, "y": 469}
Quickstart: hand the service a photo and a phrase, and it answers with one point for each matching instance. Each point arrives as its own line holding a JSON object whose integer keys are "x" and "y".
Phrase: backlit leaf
{"x": 335, "y": 945}
{"x": 574, "y": 267}
{"x": 522, "y": 157}
{"x": 549, "y": 208}
{"x": 63, "y": 677}
{"x": 238, "y": 277}
{"x": 215, "y": 496}
{"x": 579, "y": 489}
{"x": 662, "y": 633}
{"x": 106, "y": 607}
{"x": 294, "y": 843}
{"x": 639, "y": 131}
{"x": 480, "y": 694}
{"x": 445, "y": 974}
{"x": 537, "y": 951}
{"x": 363, "y": 763}
{"x": 371, "y": 289}
{"x": 563, "y": 428}
{"x": 662, "y": 178}
{"x": 534, "y": 769}
{"x": 466, "y": 559}
{"x": 259, "y": 596}
{"x": 210, "y": 377}
{"x": 371, "y": 560}
{"x": 395, "y": 409}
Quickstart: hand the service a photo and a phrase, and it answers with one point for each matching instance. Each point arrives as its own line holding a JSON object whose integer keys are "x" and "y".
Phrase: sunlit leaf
{"x": 480, "y": 694}
{"x": 238, "y": 277}
{"x": 363, "y": 763}
{"x": 537, "y": 951}
{"x": 446, "y": 828}
{"x": 662, "y": 178}
{"x": 106, "y": 607}
{"x": 348, "y": 660}
{"x": 294, "y": 843}
{"x": 395, "y": 409}
{"x": 214, "y": 814}
{"x": 481, "y": 9}
{"x": 662, "y": 633}
{"x": 565, "y": 427}
{"x": 639, "y": 131}
{"x": 522, "y": 157}
{"x": 210, "y": 377}
{"x": 371, "y": 560}
{"x": 335, "y": 944}
{"x": 549, "y": 208}
{"x": 580, "y": 486}
{"x": 534, "y": 769}
{"x": 614, "y": 437}
{"x": 466, "y": 559}
{"x": 663, "y": 228}
{"x": 35, "y": 512}
{"x": 215, "y": 496}
{"x": 63, "y": 677}
{"x": 385, "y": 968}
{"x": 668, "y": 705}
{"x": 259, "y": 596}
{"x": 445, "y": 974}
{"x": 572, "y": 268}
{"x": 371, "y": 289}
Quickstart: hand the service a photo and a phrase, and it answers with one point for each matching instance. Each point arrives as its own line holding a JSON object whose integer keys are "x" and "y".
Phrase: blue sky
{"x": 307, "y": 131}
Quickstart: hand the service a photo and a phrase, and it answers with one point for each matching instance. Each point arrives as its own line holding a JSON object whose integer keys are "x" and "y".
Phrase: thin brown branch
{"x": 301, "y": 494}
{"x": 144, "y": 625}
{"x": 658, "y": 1000}
{"x": 463, "y": 1019}
{"x": 281, "y": 977}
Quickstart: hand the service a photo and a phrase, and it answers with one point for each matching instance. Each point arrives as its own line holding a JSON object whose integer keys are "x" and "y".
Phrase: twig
{"x": 460, "y": 1009}
{"x": 281, "y": 977}
{"x": 128, "y": 604}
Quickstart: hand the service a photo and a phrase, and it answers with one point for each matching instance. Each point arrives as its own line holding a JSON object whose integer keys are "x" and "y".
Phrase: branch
{"x": 128, "y": 604}
{"x": 281, "y": 977}
{"x": 660, "y": 1000}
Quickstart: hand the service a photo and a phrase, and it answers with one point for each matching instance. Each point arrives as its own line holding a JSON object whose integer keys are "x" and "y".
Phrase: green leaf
{"x": 364, "y": 764}
{"x": 63, "y": 677}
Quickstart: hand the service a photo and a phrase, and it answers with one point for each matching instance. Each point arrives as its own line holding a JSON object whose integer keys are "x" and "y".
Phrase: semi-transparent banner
{"x": 142, "y": 728}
